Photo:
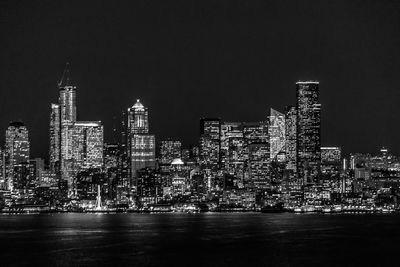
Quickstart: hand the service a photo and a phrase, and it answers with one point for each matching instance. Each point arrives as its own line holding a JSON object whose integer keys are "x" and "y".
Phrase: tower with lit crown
{"x": 140, "y": 144}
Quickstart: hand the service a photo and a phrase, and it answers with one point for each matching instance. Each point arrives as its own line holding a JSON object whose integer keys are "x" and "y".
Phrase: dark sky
{"x": 187, "y": 59}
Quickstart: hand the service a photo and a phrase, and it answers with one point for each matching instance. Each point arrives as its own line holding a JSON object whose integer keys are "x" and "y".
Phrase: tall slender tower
{"x": 141, "y": 144}
{"x": 308, "y": 131}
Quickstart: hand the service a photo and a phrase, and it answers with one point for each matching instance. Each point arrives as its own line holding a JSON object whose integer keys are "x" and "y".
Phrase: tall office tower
{"x": 277, "y": 136}
{"x": 256, "y": 138}
{"x": 229, "y": 130}
{"x": 16, "y": 150}
{"x": 308, "y": 131}
{"x": 170, "y": 150}
{"x": 210, "y": 142}
{"x": 259, "y": 165}
{"x": 140, "y": 144}
{"x": 62, "y": 118}
{"x": 290, "y": 131}
{"x": 55, "y": 137}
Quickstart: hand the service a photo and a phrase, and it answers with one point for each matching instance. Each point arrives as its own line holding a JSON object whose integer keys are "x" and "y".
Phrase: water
{"x": 206, "y": 239}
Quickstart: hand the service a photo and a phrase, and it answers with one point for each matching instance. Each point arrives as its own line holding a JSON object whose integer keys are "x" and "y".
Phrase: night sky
{"x": 188, "y": 59}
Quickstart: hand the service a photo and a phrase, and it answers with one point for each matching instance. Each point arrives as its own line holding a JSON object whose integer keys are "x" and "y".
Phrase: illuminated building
{"x": 87, "y": 144}
{"x": 331, "y": 155}
{"x": 141, "y": 144}
{"x": 55, "y": 137}
{"x": 259, "y": 165}
{"x": 85, "y": 149}
{"x": 111, "y": 155}
{"x": 277, "y": 135}
{"x": 169, "y": 150}
{"x": 149, "y": 184}
{"x": 210, "y": 130}
{"x": 142, "y": 152}
{"x": 67, "y": 109}
{"x": 255, "y": 132}
{"x": 16, "y": 150}
{"x": 179, "y": 177}
{"x": 74, "y": 145}
{"x": 308, "y": 131}
{"x": 229, "y": 131}
{"x": 138, "y": 119}
{"x": 290, "y": 131}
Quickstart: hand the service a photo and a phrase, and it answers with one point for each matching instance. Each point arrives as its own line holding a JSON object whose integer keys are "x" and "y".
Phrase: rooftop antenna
{"x": 64, "y": 81}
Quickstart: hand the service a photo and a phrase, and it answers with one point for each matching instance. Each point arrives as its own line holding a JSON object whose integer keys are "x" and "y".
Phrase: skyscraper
{"x": 141, "y": 144}
{"x": 277, "y": 137}
{"x": 308, "y": 130}
{"x": 256, "y": 137}
{"x": 210, "y": 145}
{"x": 290, "y": 131}
{"x": 229, "y": 131}
{"x": 17, "y": 150}
{"x": 74, "y": 145}
{"x": 55, "y": 137}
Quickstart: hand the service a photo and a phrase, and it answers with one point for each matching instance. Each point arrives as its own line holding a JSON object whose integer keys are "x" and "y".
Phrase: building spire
{"x": 65, "y": 78}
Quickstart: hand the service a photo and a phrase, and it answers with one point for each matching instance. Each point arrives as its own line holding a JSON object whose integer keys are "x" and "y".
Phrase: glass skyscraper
{"x": 141, "y": 144}
{"x": 308, "y": 131}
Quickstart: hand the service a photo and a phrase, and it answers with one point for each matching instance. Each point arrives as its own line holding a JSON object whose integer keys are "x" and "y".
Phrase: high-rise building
{"x": 74, "y": 145}
{"x": 210, "y": 142}
{"x": 85, "y": 149}
{"x": 170, "y": 150}
{"x": 308, "y": 131}
{"x": 55, "y": 137}
{"x": 140, "y": 144}
{"x": 257, "y": 154}
{"x": 142, "y": 152}
{"x": 259, "y": 165}
{"x": 16, "y": 150}
{"x": 277, "y": 136}
{"x": 229, "y": 131}
{"x": 290, "y": 131}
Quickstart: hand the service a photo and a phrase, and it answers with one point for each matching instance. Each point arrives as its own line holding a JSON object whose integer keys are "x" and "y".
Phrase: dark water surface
{"x": 206, "y": 239}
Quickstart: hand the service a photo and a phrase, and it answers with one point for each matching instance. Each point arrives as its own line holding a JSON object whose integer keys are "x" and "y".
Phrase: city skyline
{"x": 254, "y": 59}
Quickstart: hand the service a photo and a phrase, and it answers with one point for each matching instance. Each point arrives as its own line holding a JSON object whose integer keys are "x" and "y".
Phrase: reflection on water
{"x": 206, "y": 239}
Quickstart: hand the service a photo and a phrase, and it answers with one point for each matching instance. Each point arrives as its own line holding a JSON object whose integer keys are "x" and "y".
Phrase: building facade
{"x": 308, "y": 131}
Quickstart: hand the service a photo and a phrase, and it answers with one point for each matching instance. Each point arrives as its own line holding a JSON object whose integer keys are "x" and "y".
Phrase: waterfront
{"x": 205, "y": 239}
